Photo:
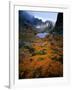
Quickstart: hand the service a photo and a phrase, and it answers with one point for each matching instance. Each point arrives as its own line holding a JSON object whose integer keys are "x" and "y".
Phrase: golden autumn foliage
{"x": 43, "y": 59}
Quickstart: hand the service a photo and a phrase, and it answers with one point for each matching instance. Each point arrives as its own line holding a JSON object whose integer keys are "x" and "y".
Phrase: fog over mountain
{"x": 27, "y": 19}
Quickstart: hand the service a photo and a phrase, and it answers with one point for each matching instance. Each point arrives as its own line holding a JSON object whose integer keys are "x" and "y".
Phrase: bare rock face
{"x": 44, "y": 26}
{"x": 59, "y": 24}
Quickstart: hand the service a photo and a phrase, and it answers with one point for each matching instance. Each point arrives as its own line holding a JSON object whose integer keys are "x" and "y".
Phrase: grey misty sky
{"x": 44, "y": 15}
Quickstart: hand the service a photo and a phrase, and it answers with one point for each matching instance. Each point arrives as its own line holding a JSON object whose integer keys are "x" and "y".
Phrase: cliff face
{"x": 59, "y": 24}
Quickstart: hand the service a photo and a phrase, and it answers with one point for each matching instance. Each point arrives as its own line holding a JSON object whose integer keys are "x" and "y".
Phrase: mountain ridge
{"x": 29, "y": 20}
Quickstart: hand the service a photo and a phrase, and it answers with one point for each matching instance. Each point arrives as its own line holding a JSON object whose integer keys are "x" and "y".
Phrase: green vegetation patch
{"x": 40, "y": 59}
{"x": 41, "y": 52}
